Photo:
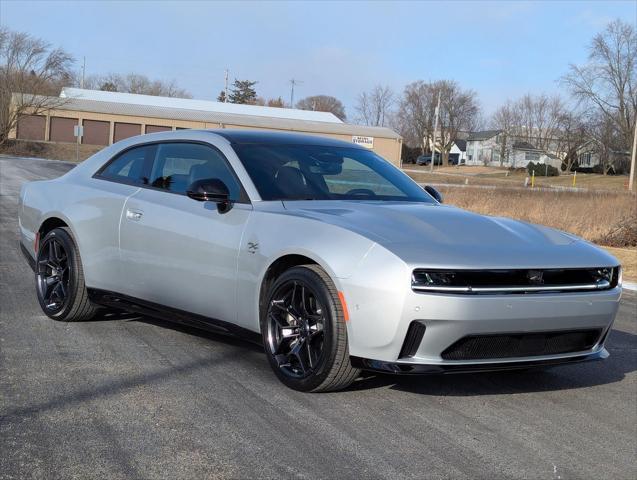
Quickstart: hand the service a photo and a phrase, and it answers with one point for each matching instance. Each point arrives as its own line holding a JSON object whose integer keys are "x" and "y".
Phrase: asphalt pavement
{"x": 132, "y": 397}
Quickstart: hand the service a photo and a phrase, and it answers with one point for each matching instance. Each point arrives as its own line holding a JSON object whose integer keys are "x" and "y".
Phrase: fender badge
{"x": 253, "y": 247}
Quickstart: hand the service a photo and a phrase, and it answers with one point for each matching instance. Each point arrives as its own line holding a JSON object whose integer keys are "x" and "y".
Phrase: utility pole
{"x": 433, "y": 146}
{"x": 225, "y": 98}
{"x": 631, "y": 179}
{"x": 293, "y": 82}
{"x": 83, "y": 72}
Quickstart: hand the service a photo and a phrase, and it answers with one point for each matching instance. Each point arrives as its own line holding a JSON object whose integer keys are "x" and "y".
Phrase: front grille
{"x": 412, "y": 339}
{"x": 514, "y": 280}
{"x": 482, "y": 347}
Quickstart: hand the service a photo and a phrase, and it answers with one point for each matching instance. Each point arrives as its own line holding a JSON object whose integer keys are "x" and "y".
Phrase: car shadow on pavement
{"x": 226, "y": 338}
{"x": 622, "y": 361}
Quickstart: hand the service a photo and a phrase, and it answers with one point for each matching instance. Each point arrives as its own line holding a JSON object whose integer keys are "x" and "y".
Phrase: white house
{"x": 486, "y": 148}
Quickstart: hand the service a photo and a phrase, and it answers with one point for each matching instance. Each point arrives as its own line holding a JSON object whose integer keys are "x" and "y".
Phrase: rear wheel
{"x": 304, "y": 332}
{"x": 59, "y": 279}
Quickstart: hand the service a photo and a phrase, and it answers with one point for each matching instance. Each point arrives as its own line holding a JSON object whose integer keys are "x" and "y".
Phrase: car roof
{"x": 267, "y": 137}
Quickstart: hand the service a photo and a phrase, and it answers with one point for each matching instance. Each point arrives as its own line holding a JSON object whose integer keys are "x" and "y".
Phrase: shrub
{"x": 542, "y": 169}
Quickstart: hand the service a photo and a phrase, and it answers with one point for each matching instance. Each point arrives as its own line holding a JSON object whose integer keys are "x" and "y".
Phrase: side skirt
{"x": 27, "y": 256}
{"x": 142, "y": 307}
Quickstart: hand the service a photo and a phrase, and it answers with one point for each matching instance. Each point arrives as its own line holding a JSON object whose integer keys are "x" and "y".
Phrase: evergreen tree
{"x": 222, "y": 96}
{"x": 243, "y": 92}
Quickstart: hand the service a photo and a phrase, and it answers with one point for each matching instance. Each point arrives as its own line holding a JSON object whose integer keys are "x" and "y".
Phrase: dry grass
{"x": 54, "y": 151}
{"x": 478, "y": 175}
{"x": 590, "y": 215}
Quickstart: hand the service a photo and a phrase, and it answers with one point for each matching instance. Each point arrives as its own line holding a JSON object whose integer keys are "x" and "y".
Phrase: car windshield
{"x": 310, "y": 172}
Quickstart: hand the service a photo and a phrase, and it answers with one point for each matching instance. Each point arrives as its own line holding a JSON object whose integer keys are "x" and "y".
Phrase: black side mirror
{"x": 210, "y": 190}
{"x": 434, "y": 193}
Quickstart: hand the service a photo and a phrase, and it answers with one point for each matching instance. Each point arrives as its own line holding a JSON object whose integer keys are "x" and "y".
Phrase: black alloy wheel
{"x": 59, "y": 278}
{"x": 296, "y": 328}
{"x": 53, "y": 275}
{"x": 304, "y": 331}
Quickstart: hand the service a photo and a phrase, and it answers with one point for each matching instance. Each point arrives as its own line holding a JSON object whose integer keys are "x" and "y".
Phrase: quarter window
{"x": 129, "y": 166}
{"x": 177, "y": 165}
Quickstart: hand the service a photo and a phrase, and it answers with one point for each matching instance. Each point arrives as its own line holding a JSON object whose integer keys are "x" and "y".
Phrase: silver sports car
{"x": 327, "y": 254}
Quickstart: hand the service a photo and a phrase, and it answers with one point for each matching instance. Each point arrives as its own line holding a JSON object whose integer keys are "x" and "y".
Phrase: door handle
{"x": 134, "y": 215}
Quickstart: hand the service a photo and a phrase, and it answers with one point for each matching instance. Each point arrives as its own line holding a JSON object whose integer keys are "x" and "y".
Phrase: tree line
{"x": 598, "y": 108}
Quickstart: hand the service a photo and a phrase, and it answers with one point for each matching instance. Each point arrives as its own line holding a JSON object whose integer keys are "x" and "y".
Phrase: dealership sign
{"x": 364, "y": 141}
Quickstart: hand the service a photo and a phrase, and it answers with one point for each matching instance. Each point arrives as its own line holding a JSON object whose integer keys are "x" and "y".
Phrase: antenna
{"x": 225, "y": 98}
{"x": 294, "y": 82}
{"x": 83, "y": 71}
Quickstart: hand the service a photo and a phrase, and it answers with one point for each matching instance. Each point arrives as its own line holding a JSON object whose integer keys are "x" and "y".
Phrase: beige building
{"x": 107, "y": 117}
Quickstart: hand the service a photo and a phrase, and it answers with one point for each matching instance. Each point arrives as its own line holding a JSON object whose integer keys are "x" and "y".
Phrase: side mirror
{"x": 434, "y": 193}
{"x": 210, "y": 190}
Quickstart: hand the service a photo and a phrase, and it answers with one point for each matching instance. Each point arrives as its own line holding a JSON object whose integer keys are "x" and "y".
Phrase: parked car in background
{"x": 326, "y": 254}
{"x": 426, "y": 159}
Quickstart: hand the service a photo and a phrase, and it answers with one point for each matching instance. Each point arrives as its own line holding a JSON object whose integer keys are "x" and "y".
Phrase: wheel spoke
{"x": 309, "y": 353}
{"x": 51, "y": 252}
{"x": 293, "y": 306}
{"x": 297, "y": 351}
{"x": 304, "y": 300}
{"x": 278, "y": 321}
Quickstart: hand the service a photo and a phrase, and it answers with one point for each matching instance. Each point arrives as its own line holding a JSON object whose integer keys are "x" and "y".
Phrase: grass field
{"x": 53, "y": 151}
{"x": 503, "y": 177}
{"x": 590, "y": 215}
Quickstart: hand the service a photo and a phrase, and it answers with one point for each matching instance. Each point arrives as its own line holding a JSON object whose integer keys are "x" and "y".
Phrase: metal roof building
{"x": 107, "y": 117}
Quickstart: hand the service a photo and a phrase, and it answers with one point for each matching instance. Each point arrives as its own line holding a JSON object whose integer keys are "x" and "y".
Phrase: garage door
{"x": 96, "y": 132}
{"x": 62, "y": 129}
{"x": 31, "y": 127}
{"x": 157, "y": 128}
{"x": 125, "y": 130}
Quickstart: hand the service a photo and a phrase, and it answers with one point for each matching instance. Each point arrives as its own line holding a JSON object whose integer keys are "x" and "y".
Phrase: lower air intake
{"x": 412, "y": 339}
{"x": 483, "y": 347}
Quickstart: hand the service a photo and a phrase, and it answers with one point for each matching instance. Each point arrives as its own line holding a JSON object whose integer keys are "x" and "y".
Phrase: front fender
{"x": 337, "y": 250}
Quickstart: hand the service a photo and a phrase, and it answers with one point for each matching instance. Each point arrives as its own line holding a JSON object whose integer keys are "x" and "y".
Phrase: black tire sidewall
{"x": 316, "y": 283}
{"x": 69, "y": 246}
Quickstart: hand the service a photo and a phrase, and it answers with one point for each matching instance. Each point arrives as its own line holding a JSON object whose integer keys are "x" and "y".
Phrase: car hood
{"x": 448, "y": 237}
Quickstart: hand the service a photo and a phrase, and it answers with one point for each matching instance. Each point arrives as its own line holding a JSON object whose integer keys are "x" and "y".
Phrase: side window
{"x": 129, "y": 166}
{"x": 177, "y": 165}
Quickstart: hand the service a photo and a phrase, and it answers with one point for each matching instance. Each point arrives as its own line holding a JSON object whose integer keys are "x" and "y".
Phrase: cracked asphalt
{"x": 132, "y": 397}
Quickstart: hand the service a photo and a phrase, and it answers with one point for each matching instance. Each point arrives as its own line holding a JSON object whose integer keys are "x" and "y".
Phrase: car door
{"x": 177, "y": 251}
{"x": 97, "y": 225}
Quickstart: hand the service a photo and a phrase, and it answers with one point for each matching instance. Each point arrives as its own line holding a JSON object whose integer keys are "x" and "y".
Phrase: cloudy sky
{"x": 500, "y": 49}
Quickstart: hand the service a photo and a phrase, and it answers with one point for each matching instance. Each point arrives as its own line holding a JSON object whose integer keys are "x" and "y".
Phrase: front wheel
{"x": 59, "y": 279}
{"x": 304, "y": 332}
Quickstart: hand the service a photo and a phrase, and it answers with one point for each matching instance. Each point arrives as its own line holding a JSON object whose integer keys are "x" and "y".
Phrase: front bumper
{"x": 402, "y": 368}
{"x": 380, "y": 319}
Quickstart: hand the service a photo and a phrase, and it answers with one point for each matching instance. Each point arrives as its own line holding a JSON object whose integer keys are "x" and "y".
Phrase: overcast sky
{"x": 500, "y": 49}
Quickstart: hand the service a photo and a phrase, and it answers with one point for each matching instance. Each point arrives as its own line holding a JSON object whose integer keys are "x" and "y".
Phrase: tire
{"x": 59, "y": 279}
{"x": 304, "y": 332}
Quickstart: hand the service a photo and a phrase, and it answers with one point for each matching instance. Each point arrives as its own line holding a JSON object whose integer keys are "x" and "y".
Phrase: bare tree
{"x": 608, "y": 82}
{"x": 135, "y": 83}
{"x": 415, "y": 118}
{"x": 323, "y": 103}
{"x": 458, "y": 110}
{"x": 32, "y": 73}
{"x": 607, "y": 139}
{"x": 507, "y": 119}
{"x": 573, "y": 135}
{"x": 535, "y": 119}
{"x": 374, "y": 107}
